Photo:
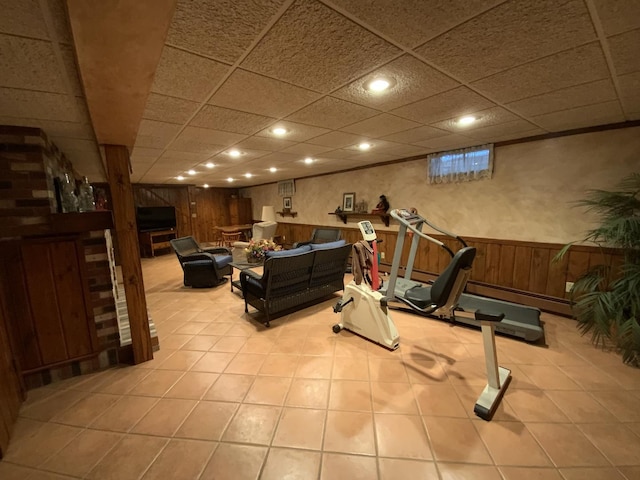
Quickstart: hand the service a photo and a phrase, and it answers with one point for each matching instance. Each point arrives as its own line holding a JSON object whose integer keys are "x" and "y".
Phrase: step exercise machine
{"x": 519, "y": 320}
{"x": 363, "y": 309}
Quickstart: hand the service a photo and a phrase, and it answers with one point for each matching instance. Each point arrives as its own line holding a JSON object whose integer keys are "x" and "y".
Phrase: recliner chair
{"x": 321, "y": 235}
{"x": 260, "y": 231}
{"x": 202, "y": 267}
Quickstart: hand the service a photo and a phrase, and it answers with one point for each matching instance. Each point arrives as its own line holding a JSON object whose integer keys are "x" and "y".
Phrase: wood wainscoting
{"x": 510, "y": 270}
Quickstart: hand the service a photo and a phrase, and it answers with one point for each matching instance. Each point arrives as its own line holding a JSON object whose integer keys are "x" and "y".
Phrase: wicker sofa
{"x": 295, "y": 278}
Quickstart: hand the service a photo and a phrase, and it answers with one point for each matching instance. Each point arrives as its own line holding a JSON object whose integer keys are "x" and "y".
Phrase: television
{"x": 152, "y": 219}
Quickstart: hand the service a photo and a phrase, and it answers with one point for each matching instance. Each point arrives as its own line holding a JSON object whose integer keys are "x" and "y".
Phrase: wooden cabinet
{"x": 240, "y": 211}
{"x": 152, "y": 241}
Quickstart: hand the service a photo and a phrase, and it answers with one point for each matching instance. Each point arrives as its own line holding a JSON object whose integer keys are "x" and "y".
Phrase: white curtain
{"x": 464, "y": 165}
{"x": 286, "y": 188}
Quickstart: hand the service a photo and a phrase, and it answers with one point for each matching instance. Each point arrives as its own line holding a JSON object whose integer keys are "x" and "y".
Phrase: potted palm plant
{"x": 606, "y": 300}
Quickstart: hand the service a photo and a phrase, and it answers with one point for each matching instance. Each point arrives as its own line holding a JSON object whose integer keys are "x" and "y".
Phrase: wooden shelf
{"x": 152, "y": 241}
{"x": 287, "y": 214}
{"x": 345, "y": 215}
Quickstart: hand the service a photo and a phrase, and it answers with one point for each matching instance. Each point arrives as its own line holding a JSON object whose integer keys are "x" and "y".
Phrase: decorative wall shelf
{"x": 287, "y": 214}
{"x": 345, "y": 215}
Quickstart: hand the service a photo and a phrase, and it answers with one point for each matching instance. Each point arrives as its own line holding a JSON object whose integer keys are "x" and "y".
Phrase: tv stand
{"x": 155, "y": 240}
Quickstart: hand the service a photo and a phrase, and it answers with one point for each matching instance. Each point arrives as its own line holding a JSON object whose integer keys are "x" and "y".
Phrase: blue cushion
{"x": 288, "y": 253}
{"x": 223, "y": 260}
{"x": 198, "y": 263}
{"x": 326, "y": 246}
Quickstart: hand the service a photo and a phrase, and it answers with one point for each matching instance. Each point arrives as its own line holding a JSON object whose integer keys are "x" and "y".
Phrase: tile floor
{"x": 225, "y": 398}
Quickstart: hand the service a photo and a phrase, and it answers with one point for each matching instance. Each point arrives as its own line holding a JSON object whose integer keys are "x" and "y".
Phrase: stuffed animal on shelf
{"x": 382, "y": 206}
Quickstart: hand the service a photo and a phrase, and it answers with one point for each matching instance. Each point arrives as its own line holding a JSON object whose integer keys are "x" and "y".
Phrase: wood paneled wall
{"x": 160, "y": 196}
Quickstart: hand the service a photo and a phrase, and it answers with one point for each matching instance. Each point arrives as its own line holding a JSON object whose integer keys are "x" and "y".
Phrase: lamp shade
{"x": 268, "y": 214}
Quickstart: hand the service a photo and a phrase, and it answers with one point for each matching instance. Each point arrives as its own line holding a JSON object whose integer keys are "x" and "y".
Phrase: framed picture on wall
{"x": 286, "y": 203}
{"x": 348, "y": 202}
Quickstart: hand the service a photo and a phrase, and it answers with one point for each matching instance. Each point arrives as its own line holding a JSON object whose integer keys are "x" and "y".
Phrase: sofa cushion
{"x": 288, "y": 253}
{"x": 326, "y": 246}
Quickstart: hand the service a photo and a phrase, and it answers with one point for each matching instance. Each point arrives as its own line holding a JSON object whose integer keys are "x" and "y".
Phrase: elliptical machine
{"x": 364, "y": 309}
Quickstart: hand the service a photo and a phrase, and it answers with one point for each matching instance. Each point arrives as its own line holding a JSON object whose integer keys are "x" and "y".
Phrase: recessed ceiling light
{"x": 308, "y": 160}
{"x": 234, "y": 153}
{"x": 273, "y": 169}
{"x": 206, "y": 185}
{"x": 467, "y": 120}
{"x": 229, "y": 179}
{"x": 378, "y": 85}
{"x": 180, "y": 177}
{"x": 279, "y": 131}
{"x": 209, "y": 165}
{"x": 248, "y": 175}
{"x": 191, "y": 172}
{"x": 364, "y": 146}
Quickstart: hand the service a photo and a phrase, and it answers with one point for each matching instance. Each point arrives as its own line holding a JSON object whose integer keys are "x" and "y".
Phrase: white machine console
{"x": 368, "y": 232}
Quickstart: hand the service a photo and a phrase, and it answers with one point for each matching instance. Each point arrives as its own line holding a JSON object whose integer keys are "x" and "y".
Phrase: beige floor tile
{"x": 630, "y": 473}
{"x": 590, "y": 377}
{"x": 288, "y": 345}
{"x": 181, "y": 360}
{"x": 591, "y": 473}
{"x": 41, "y": 475}
{"x": 201, "y": 343}
{"x": 322, "y": 346}
{"x": 308, "y": 392}
{"x": 350, "y": 345}
{"x": 229, "y": 344}
{"x": 9, "y": 471}
{"x": 86, "y": 410}
{"x": 157, "y": 383}
{"x": 533, "y": 406}
{"x": 82, "y": 453}
{"x": 348, "y": 467}
{"x": 47, "y": 408}
{"x": 402, "y": 436}
{"x": 511, "y": 444}
{"x": 235, "y": 462}
{"x": 230, "y": 388}
{"x": 350, "y": 395}
{"x": 395, "y": 468}
{"x": 300, "y": 428}
{"x": 219, "y": 328}
{"x": 279, "y": 365}
{"x": 253, "y": 424}
{"x": 174, "y": 341}
{"x": 349, "y": 432}
{"x": 469, "y": 396}
{"x": 268, "y": 390}
{"x": 193, "y": 385}
{"x": 207, "y": 420}
{"x": 580, "y": 407}
{"x": 246, "y": 363}
{"x": 165, "y": 417}
{"x": 530, "y": 473}
{"x": 36, "y": 448}
{"x": 257, "y": 345}
{"x": 291, "y": 464}
{"x": 190, "y": 328}
{"x": 314, "y": 367}
{"x": 350, "y": 368}
{"x": 456, "y": 440}
{"x": 393, "y": 398}
{"x": 123, "y": 381}
{"x": 124, "y": 414}
{"x": 129, "y": 458}
{"x": 181, "y": 460}
{"x": 438, "y": 401}
{"x": 619, "y": 444}
{"x": 213, "y": 362}
{"x": 387, "y": 370}
{"x": 549, "y": 377}
{"x": 452, "y": 471}
{"x": 620, "y": 403}
{"x": 566, "y": 445}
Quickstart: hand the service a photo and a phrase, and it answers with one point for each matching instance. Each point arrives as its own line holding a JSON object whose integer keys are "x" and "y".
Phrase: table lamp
{"x": 268, "y": 214}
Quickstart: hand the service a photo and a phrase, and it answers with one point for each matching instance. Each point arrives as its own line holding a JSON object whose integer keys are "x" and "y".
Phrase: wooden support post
{"x": 117, "y": 158}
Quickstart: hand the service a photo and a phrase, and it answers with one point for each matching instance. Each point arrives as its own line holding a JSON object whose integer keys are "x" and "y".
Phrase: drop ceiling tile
{"x": 332, "y": 113}
{"x": 158, "y": 129}
{"x": 169, "y": 109}
{"x": 338, "y": 154}
{"x": 265, "y": 143}
{"x": 323, "y": 49}
{"x": 23, "y": 18}
{"x": 42, "y": 105}
{"x": 250, "y": 92}
{"x": 279, "y": 158}
{"x": 146, "y": 153}
{"x": 53, "y": 128}
{"x": 61, "y": 27}
{"x": 414, "y": 80}
{"x": 29, "y": 64}
{"x": 67, "y": 144}
{"x": 630, "y": 93}
{"x": 484, "y": 118}
{"x": 223, "y": 158}
{"x": 624, "y": 52}
{"x": 221, "y": 29}
{"x": 193, "y": 157}
{"x": 618, "y": 17}
{"x": 218, "y": 118}
{"x": 336, "y": 139}
{"x": 208, "y": 136}
{"x": 515, "y": 129}
{"x": 509, "y": 35}
{"x": 192, "y": 146}
{"x": 296, "y": 132}
{"x": 566, "y": 98}
{"x": 398, "y": 150}
{"x": 590, "y": 115}
{"x": 449, "y": 142}
{"x": 69, "y": 61}
{"x": 454, "y": 103}
{"x": 185, "y": 75}
{"x": 380, "y": 125}
{"x": 572, "y": 67}
{"x": 414, "y": 135}
{"x": 306, "y": 149}
{"x": 362, "y": 158}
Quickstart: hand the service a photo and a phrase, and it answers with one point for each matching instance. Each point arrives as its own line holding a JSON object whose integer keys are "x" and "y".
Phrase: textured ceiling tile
{"x": 207, "y": 136}
{"x": 397, "y": 150}
{"x": 315, "y": 47}
{"x": 153, "y": 134}
{"x": 484, "y": 118}
{"x": 169, "y": 109}
{"x": 412, "y": 22}
{"x": 600, "y": 114}
{"x": 254, "y": 93}
{"x": 221, "y": 29}
{"x": 454, "y": 103}
{"x": 580, "y": 65}
{"x": 265, "y": 143}
{"x": 383, "y": 124}
{"x": 296, "y": 132}
{"x": 449, "y": 142}
{"x": 184, "y": 75}
{"x": 186, "y": 156}
{"x": 367, "y": 158}
{"x": 509, "y": 35}
{"x": 415, "y": 135}
{"x": 23, "y": 18}
{"x": 630, "y": 92}
{"x": 332, "y": 113}
{"x": 336, "y": 139}
{"x": 145, "y": 155}
{"x": 414, "y": 80}
{"x": 29, "y": 64}
{"x": 218, "y": 118}
{"x": 42, "y": 106}
{"x": 624, "y": 52}
{"x": 53, "y": 128}
{"x": 338, "y": 154}
{"x": 69, "y": 61}
{"x": 188, "y": 145}
{"x": 575, "y": 96}
{"x": 65, "y": 144}
{"x": 618, "y": 16}
{"x": 280, "y": 157}
{"x": 58, "y": 12}
{"x": 513, "y": 129}
{"x": 306, "y": 149}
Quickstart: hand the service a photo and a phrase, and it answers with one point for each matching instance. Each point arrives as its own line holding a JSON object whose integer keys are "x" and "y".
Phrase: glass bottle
{"x": 69, "y": 199}
{"x": 86, "y": 201}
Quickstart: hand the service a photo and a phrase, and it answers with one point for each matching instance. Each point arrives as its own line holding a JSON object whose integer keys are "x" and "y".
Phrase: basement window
{"x": 463, "y": 165}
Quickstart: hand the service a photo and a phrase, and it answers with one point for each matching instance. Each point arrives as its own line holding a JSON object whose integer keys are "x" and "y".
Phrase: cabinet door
{"x": 240, "y": 212}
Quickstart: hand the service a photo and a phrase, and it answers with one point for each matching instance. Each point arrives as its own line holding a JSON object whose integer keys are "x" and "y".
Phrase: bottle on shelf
{"x": 69, "y": 198}
{"x": 86, "y": 201}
